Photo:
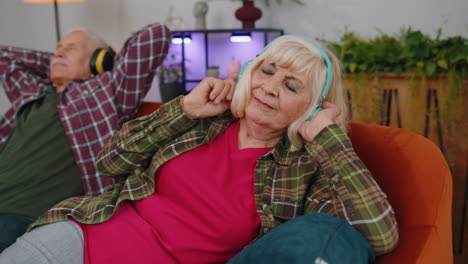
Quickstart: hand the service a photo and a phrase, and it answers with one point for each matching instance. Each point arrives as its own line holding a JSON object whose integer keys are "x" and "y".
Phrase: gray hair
{"x": 296, "y": 53}
{"x": 101, "y": 43}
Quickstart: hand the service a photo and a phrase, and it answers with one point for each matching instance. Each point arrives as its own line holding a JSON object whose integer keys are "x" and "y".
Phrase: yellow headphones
{"x": 102, "y": 60}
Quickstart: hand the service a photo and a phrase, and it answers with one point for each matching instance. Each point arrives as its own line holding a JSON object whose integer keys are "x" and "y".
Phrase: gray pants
{"x": 56, "y": 243}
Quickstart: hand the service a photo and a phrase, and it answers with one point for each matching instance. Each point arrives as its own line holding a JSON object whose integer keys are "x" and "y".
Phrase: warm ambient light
{"x": 178, "y": 40}
{"x": 50, "y": 1}
{"x": 241, "y": 38}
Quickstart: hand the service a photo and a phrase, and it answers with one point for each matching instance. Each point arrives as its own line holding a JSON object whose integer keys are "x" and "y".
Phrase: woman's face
{"x": 279, "y": 96}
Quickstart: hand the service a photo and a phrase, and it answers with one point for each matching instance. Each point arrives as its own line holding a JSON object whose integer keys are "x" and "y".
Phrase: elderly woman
{"x": 197, "y": 182}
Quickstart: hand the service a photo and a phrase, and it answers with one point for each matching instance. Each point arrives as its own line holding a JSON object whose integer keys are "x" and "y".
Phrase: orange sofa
{"x": 415, "y": 176}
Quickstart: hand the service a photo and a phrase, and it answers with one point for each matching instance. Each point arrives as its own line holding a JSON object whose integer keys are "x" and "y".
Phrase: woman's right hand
{"x": 210, "y": 97}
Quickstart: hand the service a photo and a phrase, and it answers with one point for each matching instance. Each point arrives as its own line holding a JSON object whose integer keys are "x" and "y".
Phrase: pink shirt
{"x": 203, "y": 210}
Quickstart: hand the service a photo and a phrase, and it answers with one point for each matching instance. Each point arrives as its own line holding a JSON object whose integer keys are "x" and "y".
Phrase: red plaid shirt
{"x": 90, "y": 110}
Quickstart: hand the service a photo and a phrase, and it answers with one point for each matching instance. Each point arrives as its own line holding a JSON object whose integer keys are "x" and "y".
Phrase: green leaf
{"x": 398, "y": 70}
{"x": 410, "y": 51}
{"x": 430, "y": 68}
{"x": 443, "y": 64}
{"x": 362, "y": 67}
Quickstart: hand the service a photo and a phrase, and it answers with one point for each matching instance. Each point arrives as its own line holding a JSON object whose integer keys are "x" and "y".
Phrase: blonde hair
{"x": 299, "y": 54}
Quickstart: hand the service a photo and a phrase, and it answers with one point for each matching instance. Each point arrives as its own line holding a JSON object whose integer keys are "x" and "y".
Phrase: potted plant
{"x": 169, "y": 74}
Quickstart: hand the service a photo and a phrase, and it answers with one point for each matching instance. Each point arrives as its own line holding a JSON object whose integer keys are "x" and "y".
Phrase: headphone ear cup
{"x": 242, "y": 69}
{"x": 102, "y": 60}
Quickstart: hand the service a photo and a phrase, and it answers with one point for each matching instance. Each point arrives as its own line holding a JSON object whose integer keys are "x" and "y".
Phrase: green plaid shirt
{"x": 326, "y": 176}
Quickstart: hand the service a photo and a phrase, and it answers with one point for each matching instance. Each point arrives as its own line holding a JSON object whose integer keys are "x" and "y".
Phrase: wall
{"x": 32, "y": 25}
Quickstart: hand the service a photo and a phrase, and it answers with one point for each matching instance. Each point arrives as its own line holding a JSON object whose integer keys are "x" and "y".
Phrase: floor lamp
{"x": 56, "y": 11}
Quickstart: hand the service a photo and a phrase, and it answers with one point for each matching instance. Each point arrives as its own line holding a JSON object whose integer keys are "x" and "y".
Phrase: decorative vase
{"x": 199, "y": 11}
{"x": 248, "y": 13}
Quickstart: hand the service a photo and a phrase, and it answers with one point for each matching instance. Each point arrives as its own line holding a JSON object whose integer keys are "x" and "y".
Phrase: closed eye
{"x": 267, "y": 71}
{"x": 293, "y": 85}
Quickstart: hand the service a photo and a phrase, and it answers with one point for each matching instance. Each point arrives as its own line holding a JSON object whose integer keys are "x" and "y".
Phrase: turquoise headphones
{"x": 317, "y": 107}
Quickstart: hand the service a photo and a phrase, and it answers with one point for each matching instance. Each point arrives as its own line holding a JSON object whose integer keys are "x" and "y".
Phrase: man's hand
{"x": 210, "y": 97}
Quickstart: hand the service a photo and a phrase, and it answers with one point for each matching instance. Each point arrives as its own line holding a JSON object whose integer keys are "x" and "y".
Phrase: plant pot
{"x": 170, "y": 91}
{"x": 212, "y": 71}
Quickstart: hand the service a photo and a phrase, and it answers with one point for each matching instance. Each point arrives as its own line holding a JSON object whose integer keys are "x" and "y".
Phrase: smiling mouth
{"x": 261, "y": 103}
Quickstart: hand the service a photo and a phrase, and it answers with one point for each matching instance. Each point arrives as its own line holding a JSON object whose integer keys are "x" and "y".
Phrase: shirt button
{"x": 85, "y": 92}
{"x": 31, "y": 97}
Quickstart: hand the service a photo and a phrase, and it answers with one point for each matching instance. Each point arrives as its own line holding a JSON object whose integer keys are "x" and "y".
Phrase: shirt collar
{"x": 281, "y": 152}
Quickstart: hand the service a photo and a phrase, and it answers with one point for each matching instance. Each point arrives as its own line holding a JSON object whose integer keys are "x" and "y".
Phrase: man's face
{"x": 71, "y": 58}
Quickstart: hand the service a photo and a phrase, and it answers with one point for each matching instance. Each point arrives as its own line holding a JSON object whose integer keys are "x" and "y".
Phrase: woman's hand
{"x": 329, "y": 115}
{"x": 210, "y": 97}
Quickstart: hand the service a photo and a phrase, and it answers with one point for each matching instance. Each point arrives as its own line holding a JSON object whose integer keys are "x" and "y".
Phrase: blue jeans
{"x": 11, "y": 227}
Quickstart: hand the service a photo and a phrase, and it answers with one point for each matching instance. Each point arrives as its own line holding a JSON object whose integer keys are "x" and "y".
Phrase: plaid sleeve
{"x": 20, "y": 68}
{"x": 135, "y": 67}
{"x": 137, "y": 141}
{"x": 351, "y": 192}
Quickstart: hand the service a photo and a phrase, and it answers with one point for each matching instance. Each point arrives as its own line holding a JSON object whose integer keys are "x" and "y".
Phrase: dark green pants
{"x": 311, "y": 238}
{"x": 12, "y": 227}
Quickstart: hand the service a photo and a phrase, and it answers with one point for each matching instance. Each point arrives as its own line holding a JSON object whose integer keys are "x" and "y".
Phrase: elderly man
{"x": 61, "y": 116}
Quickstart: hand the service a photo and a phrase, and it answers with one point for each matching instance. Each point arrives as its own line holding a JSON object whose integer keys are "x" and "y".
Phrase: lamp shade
{"x": 50, "y": 1}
